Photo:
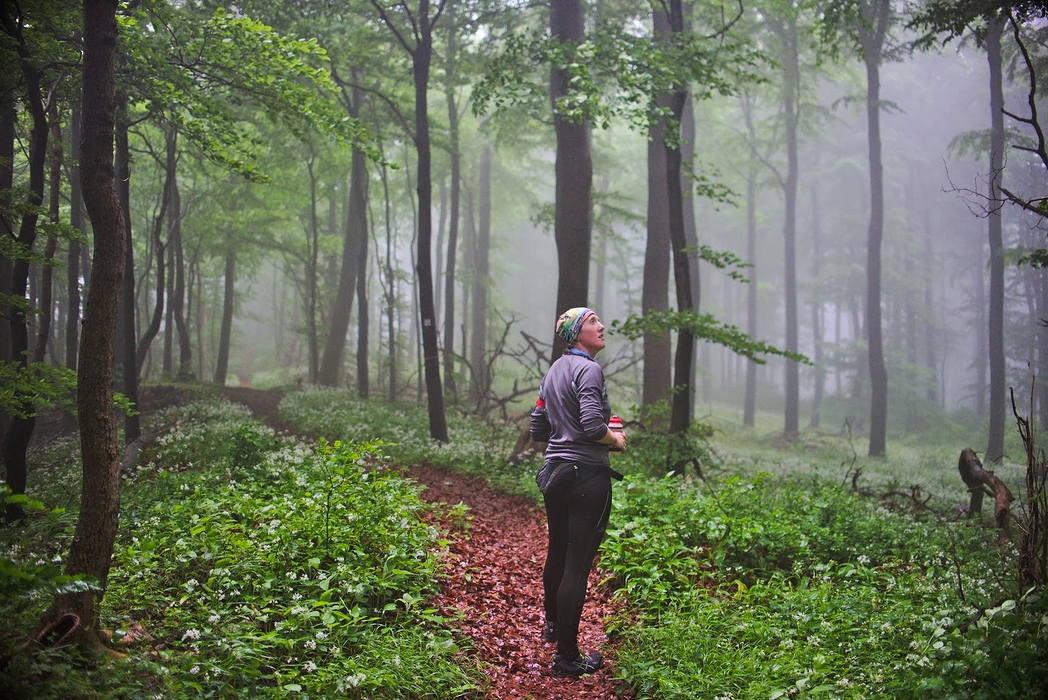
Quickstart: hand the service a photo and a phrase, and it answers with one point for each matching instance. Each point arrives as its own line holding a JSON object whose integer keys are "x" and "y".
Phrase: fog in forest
{"x": 256, "y": 208}
{"x": 934, "y": 247}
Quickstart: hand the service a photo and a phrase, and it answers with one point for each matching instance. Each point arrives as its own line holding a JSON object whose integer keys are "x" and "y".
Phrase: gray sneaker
{"x": 578, "y": 666}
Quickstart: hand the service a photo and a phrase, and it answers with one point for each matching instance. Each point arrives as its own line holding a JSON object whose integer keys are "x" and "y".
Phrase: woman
{"x": 572, "y": 416}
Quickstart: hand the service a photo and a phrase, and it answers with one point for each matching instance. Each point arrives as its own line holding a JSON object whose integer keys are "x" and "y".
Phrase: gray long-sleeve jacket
{"x": 573, "y": 411}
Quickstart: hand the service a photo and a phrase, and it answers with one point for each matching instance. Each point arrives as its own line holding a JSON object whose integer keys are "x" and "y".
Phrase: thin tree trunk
{"x": 749, "y": 411}
{"x": 92, "y": 544}
{"x": 127, "y": 333}
{"x": 76, "y": 208}
{"x": 226, "y": 334}
{"x": 657, "y": 378}
{"x": 874, "y": 28}
{"x": 791, "y": 90}
{"x": 816, "y": 310}
{"x": 684, "y": 358}
{"x": 438, "y": 429}
{"x": 20, "y": 429}
{"x": 995, "y": 317}
{"x": 454, "y": 208}
{"x": 160, "y": 250}
{"x": 355, "y": 239}
{"x": 363, "y": 322}
{"x": 481, "y": 274}
{"x": 46, "y": 305}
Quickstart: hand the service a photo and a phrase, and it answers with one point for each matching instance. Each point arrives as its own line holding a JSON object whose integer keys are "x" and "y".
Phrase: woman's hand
{"x": 614, "y": 439}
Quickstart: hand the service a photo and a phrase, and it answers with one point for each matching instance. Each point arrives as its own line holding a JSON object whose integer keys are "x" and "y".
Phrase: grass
{"x": 244, "y": 558}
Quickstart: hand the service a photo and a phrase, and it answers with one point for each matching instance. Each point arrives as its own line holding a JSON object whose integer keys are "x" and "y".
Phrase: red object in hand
{"x": 615, "y": 426}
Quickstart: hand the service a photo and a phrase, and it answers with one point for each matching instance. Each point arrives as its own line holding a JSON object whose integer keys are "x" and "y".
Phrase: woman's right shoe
{"x": 578, "y": 666}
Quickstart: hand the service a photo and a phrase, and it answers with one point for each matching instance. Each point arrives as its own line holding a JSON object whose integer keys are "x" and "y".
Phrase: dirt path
{"x": 494, "y": 581}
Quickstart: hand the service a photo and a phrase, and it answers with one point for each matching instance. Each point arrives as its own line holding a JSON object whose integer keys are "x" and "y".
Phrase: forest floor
{"x": 493, "y": 576}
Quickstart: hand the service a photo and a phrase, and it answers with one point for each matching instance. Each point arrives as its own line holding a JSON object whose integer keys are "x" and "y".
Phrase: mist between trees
{"x": 273, "y": 159}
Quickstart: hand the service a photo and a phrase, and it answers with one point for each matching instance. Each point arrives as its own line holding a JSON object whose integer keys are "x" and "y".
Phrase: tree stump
{"x": 526, "y": 448}
{"x": 982, "y": 481}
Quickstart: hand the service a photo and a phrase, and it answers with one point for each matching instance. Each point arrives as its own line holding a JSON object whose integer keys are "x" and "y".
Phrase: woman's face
{"x": 591, "y": 337}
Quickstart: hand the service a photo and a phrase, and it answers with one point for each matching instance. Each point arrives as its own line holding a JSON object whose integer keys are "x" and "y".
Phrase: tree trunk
{"x": 454, "y": 208}
{"x": 92, "y": 544}
{"x": 54, "y": 191}
{"x": 355, "y": 240}
{"x": 657, "y": 347}
{"x": 872, "y": 30}
{"x": 160, "y": 249}
{"x": 749, "y": 411}
{"x": 20, "y": 429}
{"x": 438, "y": 429}
{"x": 178, "y": 299}
{"x": 363, "y": 330}
{"x": 76, "y": 206}
{"x": 791, "y": 96}
{"x": 226, "y": 333}
{"x": 684, "y": 358}
{"x": 816, "y": 310}
{"x": 481, "y": 381}
{"x": 127, "y": 332}
{"x": 995, "y": 316}
{"x": 573, "y": 222}
{"x": 312, "y": 268}
{"x": 691, "y": 233}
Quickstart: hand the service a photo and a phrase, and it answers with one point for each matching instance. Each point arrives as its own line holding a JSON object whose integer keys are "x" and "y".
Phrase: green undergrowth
{"x": 776, "y": 587}
{"x": 476, "y": 447}
{"x": 251, "y": 566}
{"x": 797, "y": 569}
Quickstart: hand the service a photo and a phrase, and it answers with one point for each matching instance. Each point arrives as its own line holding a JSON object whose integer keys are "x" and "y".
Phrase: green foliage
{"x": 704, "y": 327}
{"x": 473, "y": 447}
{"x": 196, "y": 75}
{"x": 29, "y": 579}
{"x": 774, "y": 587}
{"x": 616, "y": 74}
{"x": 25, "y": 389}
{"x": 252, "y": 566}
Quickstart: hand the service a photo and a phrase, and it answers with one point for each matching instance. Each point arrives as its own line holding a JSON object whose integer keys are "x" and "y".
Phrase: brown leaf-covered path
{"x": 494, "y": 581}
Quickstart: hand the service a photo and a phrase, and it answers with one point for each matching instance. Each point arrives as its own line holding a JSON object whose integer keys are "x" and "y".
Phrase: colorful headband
{"x": 569, "y": 325}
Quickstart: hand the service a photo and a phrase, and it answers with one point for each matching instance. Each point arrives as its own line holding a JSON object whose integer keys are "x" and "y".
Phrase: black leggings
{"x": 577, "y": 517}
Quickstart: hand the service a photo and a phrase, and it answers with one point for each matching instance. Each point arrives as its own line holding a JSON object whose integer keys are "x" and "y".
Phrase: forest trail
{"x": 494, "y": 582}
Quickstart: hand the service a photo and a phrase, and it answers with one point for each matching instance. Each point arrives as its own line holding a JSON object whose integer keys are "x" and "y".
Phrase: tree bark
{"x": 422, "y": 54}
{"x": 573, "y": 216}
{"x": 816, "y": 310}
{"x": 749, "y": 411}
{"x": 454, "y": 208}
{"x": 363, "y": 330}
{"x": 355, "y": 239}
{"x": 171, "y": 173}
{"x": 981, "y": 481}
{"x": 657, "y": 379}
{"x": 127, "y": 333}
{"x": 684, "y": 357}
{"x": 76, "y": 207}
{"x": 791, "y": 97}
{"x": 481, "y": 381}
{"x": 92, "y": 545}
{"x": 20, "y": 429}
{"x": 995, "y": 316}
{"x": 226, "y": 333}
{"x": 54, "y": 192}
{"x": 873, "y": 29}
